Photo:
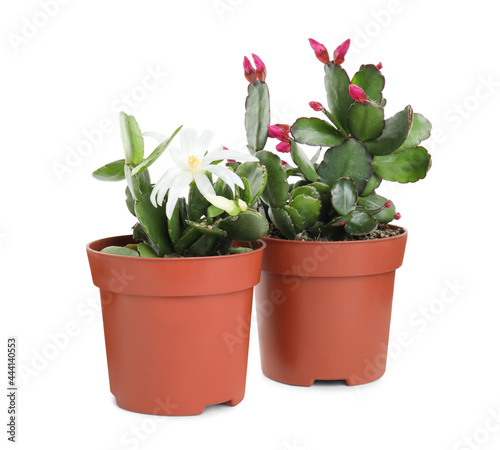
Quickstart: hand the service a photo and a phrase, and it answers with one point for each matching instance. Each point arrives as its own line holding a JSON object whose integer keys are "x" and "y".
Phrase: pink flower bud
{"x": 342, "y": 224}
{"x": 249, "y": 70}
{"x": 397, "y": 216}
{"x": 260, "y": 68}
{"x": 379, "y": 66}
{"x": 317, "y": 106}
{"x": 284, "y": 147}
{"x": 284, "y": 127}
{"x": 277, "y": 132}
{"x": 357, "y": 93}
{"x": 320, "y": 51}
{"x": 230, "y": 161}
{"x": 284, "y": 163}
{"x": 340, "y": 51}
{"x": 387, "y": 204}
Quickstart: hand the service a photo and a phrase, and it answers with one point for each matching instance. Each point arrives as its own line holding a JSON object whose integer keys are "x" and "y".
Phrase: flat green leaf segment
{"x": 247, "y": 226}
{"x": 256, "y": 177}
{"x": 370, "y": 79}
{"x": 407, "y": 166}
{"x": 133, "y": 142}
{"x": 361, "y": 223}
{"x": 344, "y": 196}
{"x": 157, "y": 152}
{"x": 303, "y": 162}
{"x": 114, "y": 171}
{"x": 337, "y": 94}
{"x": 258, "y": 116}
{"x": 276, "y": 192}
{"x": 395, "y": 133}
{"x": 366, "y": 120}
{"x": 314, "y": 131}
{"x": 349, "y": 159}
{"x": 420, "y": 131}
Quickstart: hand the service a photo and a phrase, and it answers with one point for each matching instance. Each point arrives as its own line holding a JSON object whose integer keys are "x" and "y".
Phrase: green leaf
{"x": 111, "y": 172}
{"x": 282, "y": 220}
{"x": 349, "y": 159}
{"x": 374, "y": 203}
{"x": 307, "y": 207}
{"x": 154, "y": 223}
{"x": 239, "y": 250}
{"x": 373, "y": 183}
{"x": 197, "y": 203}
{"x": 308, "y": 190}
{"x": 366, "y": 120}
{"x": 247, "y": 226}
{"x": 395, "y": 132}
{"x": 371, "y": 80}
{"x": 130, "y": 202}
{"x": 189, "y": 237}
{"x": 407, "y": 166}
{"x": 420, "y": 131}
{"x": 133, "y": 142}
{"x": 313, "y": 131}
{"x": 297, "y": 220}
{"x": 344, "y": 196}
{"x": 361, "y": 223}
{"x": 325, "y": 196}
{"x": 257, "y": 179}
{"x": 213, "y": 211}
{"x": 303, "y": 162}
{"x": 337, "y": 93}
{"x": 203, "y": 246}
{"x": 146, "y": 251}
{"x": 340, "y": 220}
{"x": 121, "y": 251}
{"x": 258, "y": 116}
{"x": 155, "y": 154}
{"x": 174, "y": 225}
{"x": 206, "y": 228}
{"x": 275, "y": 193}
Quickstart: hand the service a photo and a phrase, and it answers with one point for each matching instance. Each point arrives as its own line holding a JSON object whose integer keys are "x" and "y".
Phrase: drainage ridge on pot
{"x": 167, "y": 323}
{"x": 324, "y": 308}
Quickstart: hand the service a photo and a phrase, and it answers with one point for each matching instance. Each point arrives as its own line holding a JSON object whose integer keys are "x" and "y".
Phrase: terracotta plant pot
{"x": 324, "y": 309}
{"x": 175, "y": 328}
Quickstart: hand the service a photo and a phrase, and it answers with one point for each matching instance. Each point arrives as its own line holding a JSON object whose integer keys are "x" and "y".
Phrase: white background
{"x": 67, "y": 74}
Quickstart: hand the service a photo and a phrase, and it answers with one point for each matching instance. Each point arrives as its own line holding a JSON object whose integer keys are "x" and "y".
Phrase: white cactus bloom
{"x": 192, "y": 162}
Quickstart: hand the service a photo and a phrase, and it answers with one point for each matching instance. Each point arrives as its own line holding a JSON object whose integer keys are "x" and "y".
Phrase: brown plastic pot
{"x": 175, "y": 328}
{"x": 324, "y": 309}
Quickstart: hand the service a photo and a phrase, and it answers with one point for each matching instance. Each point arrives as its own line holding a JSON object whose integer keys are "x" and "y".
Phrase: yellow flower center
{"x": 193, "y": 161}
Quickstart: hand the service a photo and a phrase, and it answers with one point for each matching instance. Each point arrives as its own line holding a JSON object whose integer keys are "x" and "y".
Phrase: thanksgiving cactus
{"x": 336, "y": 197}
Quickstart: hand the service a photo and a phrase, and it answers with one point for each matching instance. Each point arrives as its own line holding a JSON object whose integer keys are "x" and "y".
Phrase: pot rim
{"x": 358, "y": 242}
{"x": 261, "y": 246}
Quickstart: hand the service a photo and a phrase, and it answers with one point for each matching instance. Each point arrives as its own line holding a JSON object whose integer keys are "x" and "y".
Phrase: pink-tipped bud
{"x": 249, "y": 70}
{"x": 357, "y": 93}
{"x": 379, "y": 66}
{"x": 230, "y": 161}
{"x": 276, "y": 132}
{"x": 284, "y": 163}
{"x": 260, "y": 68}
{"x": 387, "y": 204}
{"x": 342, "y": 224}
{"x": 397, "y": 216}
{"x": 340, "y": 51}
{"x": 317, "y": 106}
{"x": 320, "y": 51}
{"x": 284, "y": 147}
{"x": 284, "y": 127}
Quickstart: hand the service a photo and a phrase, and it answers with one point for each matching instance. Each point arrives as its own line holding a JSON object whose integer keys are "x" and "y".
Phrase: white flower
{"x": 192, "y": 162}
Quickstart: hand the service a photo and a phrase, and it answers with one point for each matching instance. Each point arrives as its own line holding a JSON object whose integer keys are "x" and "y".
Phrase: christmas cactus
{"x": 333, "y": 197}
{"x": 215, "y": 214}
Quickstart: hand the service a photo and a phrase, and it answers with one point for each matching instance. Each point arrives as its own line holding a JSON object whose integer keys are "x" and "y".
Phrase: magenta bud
{"x": 260, "y": 68}
{"x": 276, "y": 132}
{"x": 342, "y": 224}
{"x": 284, "y": 147}
{"x": 249, "y": 70}
{"x": 340, "y": 52}
{"x": 317, "y": 106}
{"x": 387, "y": 204}
{"x": 397, "y": 216}
{"x": 320, "y": 51}
{"x": 357, "y": 93}
{"x": 379, "y": 66}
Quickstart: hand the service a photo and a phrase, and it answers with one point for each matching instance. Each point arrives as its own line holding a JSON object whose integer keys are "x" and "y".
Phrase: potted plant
{"x": 324, "y": 300}
{"x": 183, "y": 281}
